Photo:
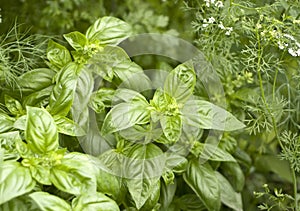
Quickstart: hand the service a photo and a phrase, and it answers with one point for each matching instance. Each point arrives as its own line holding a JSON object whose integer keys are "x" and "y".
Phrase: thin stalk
{"x": 260, "y": 53}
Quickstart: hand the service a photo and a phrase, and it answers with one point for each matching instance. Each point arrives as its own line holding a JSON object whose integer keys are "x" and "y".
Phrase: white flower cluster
{"x": 292, "y": 50}
{"x": 218, "y": 4}
{"x": 227, "y": 30}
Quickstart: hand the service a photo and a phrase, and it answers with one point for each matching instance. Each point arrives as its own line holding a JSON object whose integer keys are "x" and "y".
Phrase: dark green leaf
{"x": 15, "y": 180}
{"x": 58, "y": 55}
{"x": 203, "y": 114}
{"x": 180, "y": 82}
{"x": 234, "y": 174}
{"x": 203, "y": 180}
{"x": 94, "y": 201}
{"x": 229, "y": 197}
{"x": 15, "y": 204}
{"x": 189, "y": 202}
{"x": 76, "y": 39}
{"x": 48, "y": 202}
{"x": 152, "y": 201}
{"x": 108, "y": 30}
{"x": 41, "y": 133}
{"x": 62, "y": 95}
{"x": 167, "y": 193}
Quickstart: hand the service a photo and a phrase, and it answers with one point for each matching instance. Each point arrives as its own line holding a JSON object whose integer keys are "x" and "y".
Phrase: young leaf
{"x": 101, "y": 99}
{"x": 41, "y": 174}
{"x": 76, "y": 39}
{"x": 171, "y": 126}
{"x": 203, "y": 114}
{"x": 15, "y": 180}
{"x": 58, "y": 55}
{"x": 94, "y": 201}
{"x": 41, "y": 133}
{"x": 8, "y": 145}
{"x": 109, "y": 31}
{"x": 229, "y": 197}
{"x": 145, "y": 164}
{"x": 68, "y": 126}
{"x": 203, "y": 180}
{"x": 62, "y": 95}
{"x": 13, "y": 105}
{"x": 46, "y": 201}
{"x": 28, "y": 81}
{"x": 74, "y": 175}
{"x": 180, "y": 82}
{"x": 6, "y": 122}
{"x": 125, "y": 115}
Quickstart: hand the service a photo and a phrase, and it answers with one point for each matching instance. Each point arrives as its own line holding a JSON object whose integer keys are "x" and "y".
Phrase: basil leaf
{"x": 48, "y": 202}
{"x": 28, "y": 81}
{"x": 62, "y": 95}
{"x": 228, "y": 196}
{"x": 101, "y": 99}
{"x": 13, "y": 105}
{"x": 167, "y": 193}
{"x": 95, "y": 201}
{"x": 74, "y": 175}
{"x": 125, "y": 115}
{"x": 15, "y": 204}
{"x": 76, "y": 39}
{"x": 15, "y": 180}
{"x": 6, "y": 122}
{"x": 39, "y": 98}
{"x": 235, "y": 175}
{"x": 151, "y": 202}
{"x": 171, "y": 126}
{"x": 41, "y": 174}
{"x": 58, "y": 55}
{"x": 108, "y": 30}
{"x": 189, "y": 202}
{"x": 68, "y": 126}
{"x": 203, "y": 114}
{"x": 142, "y": 177}
{"x": 176, "y": 162}
{"x": 180, "y": 82}
{"x": 41, "y": 133}
{"x": 8, "y": 143}
{"x": 203, "y": 180}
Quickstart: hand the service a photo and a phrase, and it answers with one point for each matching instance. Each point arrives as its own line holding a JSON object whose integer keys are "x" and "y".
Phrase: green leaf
{"x": 39, "y": 98}
{"x": 109, "y": 31}
{"x": 94, "y": 201}
{"x": 36, "y": 79}
{"x": 203, "y": 114}
{"x": 152, "y": 201}
{"x": 176, "y": 163}
{"x": 41, "y": 174}
{"x": 58, "y": 55}
{"x": 68, "y": 126}
{"x": 15, "y": 180}
{"x": 101, "y": 99}
{"x": 189, "y": 202}
{"x": 167, "y": 193}
{"x": 229, "y": 197}
{"x": 15, "y": 204}
{"x": 48, "y": 202}
{"x": 234, "y": 174}
{"x": 62, "y": 95}
{"x": 140, "y": 171}
{"x": 180, "y": 82}
{"x": 211, "y": 152}
{"x": 125, "y": 115}
{"x": 203, "y": 180}
{"x": 76, "y": 39}
{"x": 75, "y": 174}
{"x": 41, "y": 133}
{"x": 13, "y": 105}
{"x": 8, "y": 145}
{"x": 171, "y": 126}
{"x": 6, "y": 122}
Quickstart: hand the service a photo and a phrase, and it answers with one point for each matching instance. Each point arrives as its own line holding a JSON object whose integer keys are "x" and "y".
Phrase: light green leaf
{"x": 229, "y": 197}
{"x": 102, "y": 99}
{"x": 28, "y": 81}
{"x": 76, "y": 39}
{"x": 41, "y": 174}
{"x": 176, "y": 163}
{"x": 152, "y": 201}
{"x": 8, "y": 145}
{"x": 180, "y": 82}
{"x": 171, "y": 126}
{"x": 144, "y": 165}
{"x": 6, "y": 122}
{"x": 68, "y": 126}
{"x": 94, "y": 201}
{"x": 39, "y": 98}
{"x": 62, "y": 95}
{"x": 125, "y": 115}
{"x": 13, "y": 105}
{"x": 41, "y": 133}
{"x": 48, "y": 202}
{"x": 58, "y": 55}
{"x": 15, "y": 204}
{"x": 203, "y": 114}
{"x": 203, "y": 180}
{"x": 75, "y": 175}
{"x": 108, "y": 30}
{"x": 15, "y": 180}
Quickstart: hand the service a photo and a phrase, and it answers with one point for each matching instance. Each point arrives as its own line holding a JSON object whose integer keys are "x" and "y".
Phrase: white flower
{"x": 292, "y": 52}
{"x": 221, "y": 26}
{"x": 211, "y": 20}
{"x": 229, "y": 30}
{"x": 205, "y": 25}
{"x": 219, "y": 4}
{"x": 280, "y": 45}
{"x": 298, "y": 52}
{"x": 207, "y": 2}
{"x": 289, "y": 36}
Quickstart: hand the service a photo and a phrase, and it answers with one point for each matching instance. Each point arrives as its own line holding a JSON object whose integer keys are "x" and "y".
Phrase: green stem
{"x": 260, "y": 53}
